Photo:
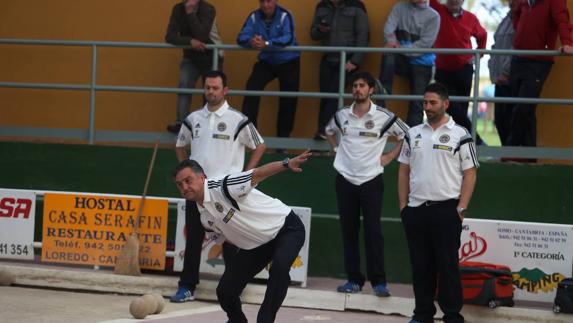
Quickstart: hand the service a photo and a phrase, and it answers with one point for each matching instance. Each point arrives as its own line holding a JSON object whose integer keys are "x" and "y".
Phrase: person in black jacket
{"x": 192, "y": 22}
{"x": 337, "y": 23}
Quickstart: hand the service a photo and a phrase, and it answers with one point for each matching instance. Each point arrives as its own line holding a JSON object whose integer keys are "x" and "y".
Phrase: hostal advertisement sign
{"x": 92, "y": 230}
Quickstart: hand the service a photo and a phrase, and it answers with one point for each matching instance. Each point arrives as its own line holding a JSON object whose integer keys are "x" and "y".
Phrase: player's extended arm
{"x": 260, "y": 173}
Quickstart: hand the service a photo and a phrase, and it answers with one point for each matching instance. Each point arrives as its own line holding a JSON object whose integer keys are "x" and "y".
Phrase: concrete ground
{"x": 22, "y": 304}
{"x": 44, "y": 293}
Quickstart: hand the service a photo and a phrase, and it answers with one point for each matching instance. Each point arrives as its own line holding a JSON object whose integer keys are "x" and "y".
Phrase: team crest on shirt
{"x": 210, "y": 223}
{"x": 222, "y": 126}
{"x": 229, "y": 215}
{"x": 369, "y": 124}
{"x": 444, "y": 139}
{"x": 407, "y": 152}
{"x": 218, "y": 207}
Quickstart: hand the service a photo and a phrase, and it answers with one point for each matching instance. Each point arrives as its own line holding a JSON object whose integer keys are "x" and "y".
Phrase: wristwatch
{"x": 285, "y": 162}
{"x": 462, "y": 211}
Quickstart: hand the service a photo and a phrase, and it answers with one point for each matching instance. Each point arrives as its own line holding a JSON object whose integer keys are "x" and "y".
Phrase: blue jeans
{"x": 418, "y": 75}
{"x": 189, "y": 73}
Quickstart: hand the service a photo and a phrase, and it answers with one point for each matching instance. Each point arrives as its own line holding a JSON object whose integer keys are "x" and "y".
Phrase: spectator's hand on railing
{"x": 502, "y": 79}
{"x": 198, "y": 45}
{"x": 258, "y": 42}
{"x": 566, "y": 49}
{"x": 350, "y": 66}
{"x": 392, "y": 45}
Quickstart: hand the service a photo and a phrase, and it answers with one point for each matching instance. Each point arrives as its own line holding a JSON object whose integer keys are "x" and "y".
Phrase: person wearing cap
{"x": 218, "y": 136}
{"x": 364, "y": 129}
{"x": 436, "y": 179}
{"x": 265, "y": 230}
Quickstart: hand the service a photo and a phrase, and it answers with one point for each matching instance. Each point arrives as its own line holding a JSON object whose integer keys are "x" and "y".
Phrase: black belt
{"x": 437, "y": 203}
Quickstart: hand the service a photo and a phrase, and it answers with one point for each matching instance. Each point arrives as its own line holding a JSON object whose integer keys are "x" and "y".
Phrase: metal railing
{"x": 93, "y": 87}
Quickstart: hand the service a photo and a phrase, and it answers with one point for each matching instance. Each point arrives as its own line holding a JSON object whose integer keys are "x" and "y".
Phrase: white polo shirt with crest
{"x": 218, "y": 139}
{"x": 363, "y": 140}
{"x": 245, "y": 216}
{"x": 437, "y": 159}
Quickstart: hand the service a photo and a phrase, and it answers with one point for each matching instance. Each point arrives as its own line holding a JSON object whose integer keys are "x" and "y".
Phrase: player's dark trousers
{"x": 328, "y": 83}
{"x": 289, "y": 79}
{"x": 353, "y": 199}
{"x": 433, "y": 233}
{"x": 282, "y": 251}
{"x": 189, "y": 276}
{"x": 503, "y": 113}
{"x": 419, "y": 77}
{"x": 459, "y": 83}
{"x": 526, "y": 80}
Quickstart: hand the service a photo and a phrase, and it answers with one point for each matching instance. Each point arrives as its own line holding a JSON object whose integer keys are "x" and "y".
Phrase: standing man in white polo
{"x": 436, "y": 180}
{"x": 217, "y": 135}
{"x": 263, "y": 228}
{"x": 364, "y": 128}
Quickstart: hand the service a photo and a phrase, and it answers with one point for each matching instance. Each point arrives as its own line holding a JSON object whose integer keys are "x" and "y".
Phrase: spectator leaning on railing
{"x": 411, "y": 24}
{"x": 272, "y": 26}
{"x": 499, "y": 73}
{"x": 337, "y": 23}
{"x": 457, "y": 27}
{"x": 192, "y": 22}
{"x": 537, "y": 24}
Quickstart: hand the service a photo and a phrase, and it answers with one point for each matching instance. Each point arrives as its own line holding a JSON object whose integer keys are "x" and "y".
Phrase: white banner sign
{"x": 540, "y": 255}
{"x": 17, "y": 214}
{"x": 212, "y": 258}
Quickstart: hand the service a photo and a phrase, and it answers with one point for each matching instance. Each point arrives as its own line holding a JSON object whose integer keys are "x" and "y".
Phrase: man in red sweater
{"x": 537, "y": 24}
{"x": 457, "y": 27}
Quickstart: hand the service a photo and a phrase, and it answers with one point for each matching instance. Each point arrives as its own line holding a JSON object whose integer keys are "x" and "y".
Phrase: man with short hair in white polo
{"x": 436, "y": 180}
{"x": 364, "y": 128}
{"x": 217, "y": 135}
{"x": 263, "y": 228}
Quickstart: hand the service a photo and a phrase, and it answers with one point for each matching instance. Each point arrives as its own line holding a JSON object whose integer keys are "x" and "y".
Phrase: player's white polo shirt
{"x": 437, "y": 159}
{"x": 362, "y": 141}
{"x": 218, "y": 139}
{"x": 242, "y": 214}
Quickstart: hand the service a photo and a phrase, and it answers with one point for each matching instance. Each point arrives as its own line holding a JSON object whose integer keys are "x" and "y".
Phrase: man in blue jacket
{"x": 272, "y": 27}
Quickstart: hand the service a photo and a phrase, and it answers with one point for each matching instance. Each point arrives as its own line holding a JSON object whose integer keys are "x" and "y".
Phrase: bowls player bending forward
{"x": 263, "y": 228}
